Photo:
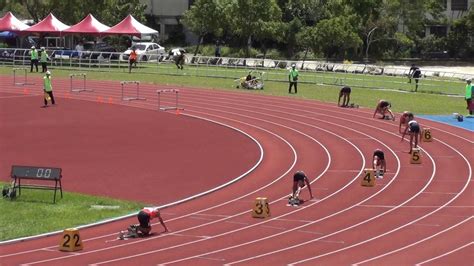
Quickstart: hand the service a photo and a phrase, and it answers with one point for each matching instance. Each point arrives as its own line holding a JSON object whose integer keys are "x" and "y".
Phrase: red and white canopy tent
{"x": 89, "y": 25}
{"x": 50, "y": 24}
{"x": 10, "y": 23}
{"x": 130, "y": 26}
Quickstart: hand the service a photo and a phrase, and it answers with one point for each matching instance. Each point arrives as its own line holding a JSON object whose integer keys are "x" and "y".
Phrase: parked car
{"x": 145, "y": 51}
{"x": 93, "y": 50}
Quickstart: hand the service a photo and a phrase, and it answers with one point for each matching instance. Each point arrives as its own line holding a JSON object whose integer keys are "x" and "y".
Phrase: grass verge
{"x": 419, "y": 103}
{"x": 34, "y": 213}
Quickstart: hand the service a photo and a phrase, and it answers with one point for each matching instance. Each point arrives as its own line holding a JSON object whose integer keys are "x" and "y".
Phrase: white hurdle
{"x": 25, "y": 75}
{"x": 136, "y": 96}
{"x": 83, "y": 86}
{"x": 169, "y": 107}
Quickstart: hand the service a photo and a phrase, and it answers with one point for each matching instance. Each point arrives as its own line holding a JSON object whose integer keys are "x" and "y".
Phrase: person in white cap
{"x": 470, "y": 104}
{"x": 34, "y": 58}
{"x": 48, "y": 89}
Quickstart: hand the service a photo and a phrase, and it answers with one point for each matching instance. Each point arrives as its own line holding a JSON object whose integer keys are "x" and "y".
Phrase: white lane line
{"x": 415, "y": 206}
{"x": 169, "y": 204}
{"x": 445, "y": 254}
{"x": 413, "y": 221}
{"x": 310, "y": 232}
{"x": 355, "y": 178}
{"x": 273, "y": 227}
{"x": 184, "y": 235}
{"x": 227, "y": 202}
{"x": 271, "y": 236}
{"x": 233, "y": 222}
{"x": 415, "y": 243}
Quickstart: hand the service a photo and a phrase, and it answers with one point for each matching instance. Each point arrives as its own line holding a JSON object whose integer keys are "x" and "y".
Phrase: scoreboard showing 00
{"x": 36, "y": 172}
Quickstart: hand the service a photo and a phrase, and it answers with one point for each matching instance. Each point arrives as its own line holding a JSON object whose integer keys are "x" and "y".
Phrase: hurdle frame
{"x": 25, "y": 82}
{"x": 131, "y": 98}
{"x": 78, "y": 89}
{"x": 166, "y": 108}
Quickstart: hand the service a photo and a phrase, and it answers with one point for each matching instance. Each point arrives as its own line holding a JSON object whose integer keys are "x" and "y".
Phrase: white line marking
{"x": 445, "y": 254}
{"x": 415, "y": 243}
{"x": 273, "y": 227}
{"x": 310, "y": 232}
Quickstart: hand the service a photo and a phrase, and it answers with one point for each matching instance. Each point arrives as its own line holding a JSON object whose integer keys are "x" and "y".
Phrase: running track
{"x": 418, "y": 214}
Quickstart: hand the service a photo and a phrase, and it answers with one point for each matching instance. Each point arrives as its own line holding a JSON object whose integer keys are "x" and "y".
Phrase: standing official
{"x": 34, "y": 58}
{"x": 48, "y": 89}
{"x": 293, "y": 78}
{"x": 470, "y": 104}
{"x": 44, "y": 60}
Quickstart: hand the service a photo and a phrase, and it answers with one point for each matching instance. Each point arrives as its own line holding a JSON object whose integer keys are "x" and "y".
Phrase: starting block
{"x": 426, "y": 135}
{"x": 70, "y": 240}
{"x": 137, "y": 94}
{"x": 261, "y": 209}
{"x": 368, "y": 179}
{"x": 172, "y": 101}
{"x": 16, "y": 81}
{"x": 415, "y": 156}
{"x": 82, "y": 86}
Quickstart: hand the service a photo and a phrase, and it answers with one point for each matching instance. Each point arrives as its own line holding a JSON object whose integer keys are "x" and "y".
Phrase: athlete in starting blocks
{"x": 144, "y": 227}
{"x": 378, "y": 163}
{"x": 299, "y": 181}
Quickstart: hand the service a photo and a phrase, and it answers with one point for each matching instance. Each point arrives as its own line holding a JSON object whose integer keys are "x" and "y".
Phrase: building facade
{"x": 166, "y": 14}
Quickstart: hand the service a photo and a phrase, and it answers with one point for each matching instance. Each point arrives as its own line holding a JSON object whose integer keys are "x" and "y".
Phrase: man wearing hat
{"x": 293, "y": 78}
{"x": 48, "y": 89}
{"x": 34, "y": 58}
{"x": 44, "y": 60}
{"x": 470, "y": 104}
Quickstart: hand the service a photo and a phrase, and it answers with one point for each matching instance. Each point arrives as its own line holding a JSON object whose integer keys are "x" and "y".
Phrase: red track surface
{"x": 416, "y": 214}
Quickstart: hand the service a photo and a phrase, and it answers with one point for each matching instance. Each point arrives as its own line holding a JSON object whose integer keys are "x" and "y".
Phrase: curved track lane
{"x": 413, "y": 208}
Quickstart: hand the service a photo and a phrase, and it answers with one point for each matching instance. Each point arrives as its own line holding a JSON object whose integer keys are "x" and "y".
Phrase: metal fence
{"x": 312, "y": 72}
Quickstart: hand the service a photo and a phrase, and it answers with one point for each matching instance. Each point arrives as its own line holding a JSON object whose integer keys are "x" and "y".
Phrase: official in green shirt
{"x": 44, "y": 60}
{"x": 293, "y": 78}
{"x": 48, "y": 89}
{"x": 470, "y": 104}
{"x": 34, "y": 58}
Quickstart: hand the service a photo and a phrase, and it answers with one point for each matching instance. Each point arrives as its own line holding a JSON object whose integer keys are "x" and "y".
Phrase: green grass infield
{"x": 34, "y": 213}
{"x": 423, "y": 102}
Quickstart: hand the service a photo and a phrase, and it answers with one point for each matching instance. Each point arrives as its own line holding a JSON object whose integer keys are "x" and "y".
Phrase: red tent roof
{"x": 50, "y": 24}
{"x": 130, "y": 26}
{"x": 89, "y": 25}
{"x": 10, "y": 23}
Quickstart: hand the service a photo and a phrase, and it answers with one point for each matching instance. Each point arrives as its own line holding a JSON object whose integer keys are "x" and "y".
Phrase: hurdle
{"x": 176, "y": 100}
{"x": 131, "y": 98}
{"x": 25, "y": 80}
{"x": 83, "y": 83}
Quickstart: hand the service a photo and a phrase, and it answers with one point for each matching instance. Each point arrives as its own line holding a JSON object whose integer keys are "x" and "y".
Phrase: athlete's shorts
{"x": 144, "y": 219}
{"x": 417, "y": 74}
{"x": 345, "y": 90}
{"x": 298, "y": 177}
{"x": 415, "y": 128}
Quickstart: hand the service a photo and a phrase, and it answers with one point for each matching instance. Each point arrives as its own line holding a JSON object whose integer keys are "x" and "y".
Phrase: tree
{"x": 334, "y": 36}
{"x": 254, "y": 19}
{"x": 204, "y": 17}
